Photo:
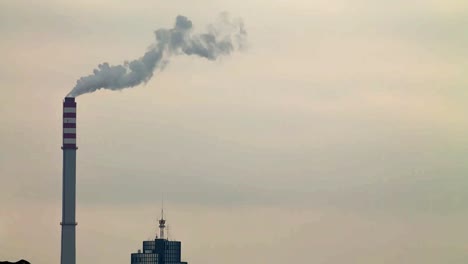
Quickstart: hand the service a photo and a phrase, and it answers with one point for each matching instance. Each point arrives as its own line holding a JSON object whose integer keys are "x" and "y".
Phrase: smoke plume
{"x": 221, "y": 38}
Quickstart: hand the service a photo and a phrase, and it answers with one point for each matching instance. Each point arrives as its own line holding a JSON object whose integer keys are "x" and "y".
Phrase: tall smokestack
{"x": 68, "y": 253}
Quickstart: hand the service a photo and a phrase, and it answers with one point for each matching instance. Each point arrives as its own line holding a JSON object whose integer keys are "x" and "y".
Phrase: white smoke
{"x": 221, "y": 38}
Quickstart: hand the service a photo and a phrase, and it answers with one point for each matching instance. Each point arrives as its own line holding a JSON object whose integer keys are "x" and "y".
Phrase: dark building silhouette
{"x": 161, "y": 250}
{"x": 18, "y": 262}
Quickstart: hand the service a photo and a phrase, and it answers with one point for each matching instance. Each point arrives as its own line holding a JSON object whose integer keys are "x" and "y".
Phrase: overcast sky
{"x": 338, "y": 136}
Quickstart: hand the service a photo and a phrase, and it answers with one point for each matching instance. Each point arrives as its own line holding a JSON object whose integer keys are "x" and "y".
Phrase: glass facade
{"x": 158, "y": 251}
{"x": 144, "y": 258}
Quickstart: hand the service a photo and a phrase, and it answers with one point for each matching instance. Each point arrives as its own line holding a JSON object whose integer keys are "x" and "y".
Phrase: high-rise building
{"x": 161, "y": 250}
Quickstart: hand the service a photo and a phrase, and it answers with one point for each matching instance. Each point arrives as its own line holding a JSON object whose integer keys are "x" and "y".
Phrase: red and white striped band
{"x": 69, "y": 123}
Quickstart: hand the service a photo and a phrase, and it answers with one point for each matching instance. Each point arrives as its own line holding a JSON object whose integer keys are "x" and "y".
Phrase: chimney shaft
{"x": 68, "y": 250}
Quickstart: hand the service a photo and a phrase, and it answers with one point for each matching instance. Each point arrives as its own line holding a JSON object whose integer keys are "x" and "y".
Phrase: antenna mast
{"x": 162, "y": 222}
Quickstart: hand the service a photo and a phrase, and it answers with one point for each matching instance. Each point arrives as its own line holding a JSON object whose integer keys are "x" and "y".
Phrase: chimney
{"x": 68, "y": 250}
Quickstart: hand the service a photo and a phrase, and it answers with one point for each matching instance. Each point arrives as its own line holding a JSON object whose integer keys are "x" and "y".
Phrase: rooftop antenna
{"x": 162, "y": 222}
{"x": 162, "y": 207}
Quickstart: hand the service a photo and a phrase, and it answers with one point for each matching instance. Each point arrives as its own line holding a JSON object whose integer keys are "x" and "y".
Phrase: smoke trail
{"x": 221, "y": 38}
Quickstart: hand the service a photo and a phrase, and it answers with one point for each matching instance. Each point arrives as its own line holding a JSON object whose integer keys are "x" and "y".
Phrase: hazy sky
{"x": 338, "y": 136}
